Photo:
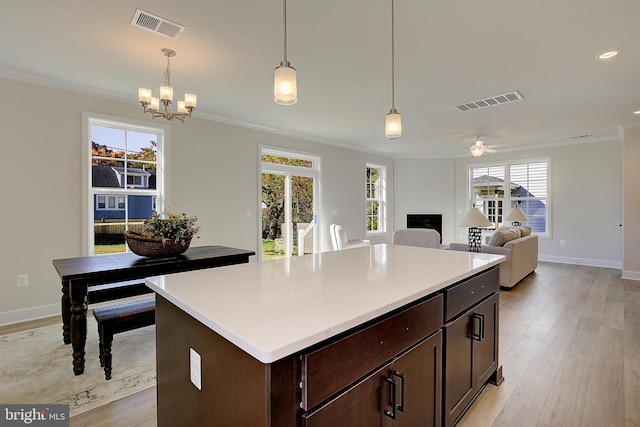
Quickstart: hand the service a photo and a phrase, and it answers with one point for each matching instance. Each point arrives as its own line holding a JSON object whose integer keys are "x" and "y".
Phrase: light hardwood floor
{"x": 569, "y": 347}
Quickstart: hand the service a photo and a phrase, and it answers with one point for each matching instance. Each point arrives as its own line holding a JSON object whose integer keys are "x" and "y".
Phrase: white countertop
{"x": 273, "y": 309}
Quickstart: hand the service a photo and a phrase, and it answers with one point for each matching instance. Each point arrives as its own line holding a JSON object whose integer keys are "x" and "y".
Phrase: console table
{"x": 77, "y": 274}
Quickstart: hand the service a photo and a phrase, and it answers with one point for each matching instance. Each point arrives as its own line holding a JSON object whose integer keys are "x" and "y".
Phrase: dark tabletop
{"x": 106, "y": 268}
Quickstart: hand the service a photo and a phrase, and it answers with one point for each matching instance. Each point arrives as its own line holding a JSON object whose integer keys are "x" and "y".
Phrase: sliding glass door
{"x": 289, "y": 204}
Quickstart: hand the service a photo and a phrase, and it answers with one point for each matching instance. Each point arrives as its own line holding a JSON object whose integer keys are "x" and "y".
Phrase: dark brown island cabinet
{"x": 419, "y": 365}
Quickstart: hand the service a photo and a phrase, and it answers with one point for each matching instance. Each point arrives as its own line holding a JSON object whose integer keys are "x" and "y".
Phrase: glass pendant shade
{"x": 166, "y": 93}
{"x": 155, "y": 104}
{"x": 285, "y": 89}
{"x": 144, "y": 95}
{"x": 190, "y": 99}
{"x": 393, "y": 125}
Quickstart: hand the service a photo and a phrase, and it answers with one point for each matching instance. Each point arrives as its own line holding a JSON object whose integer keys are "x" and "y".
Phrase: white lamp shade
{"x": 190, "y": 99}
{"x": 166, "y": 93}
{"x": 474, "y": 218}
{"x": 516, "y": 215}
{"x": 393, "y": 125}
{"x": 155, "y": 104}
{"x": 285, "y": 89}
{"x": 182, "y": 108}
{"x": 144, "y": 95}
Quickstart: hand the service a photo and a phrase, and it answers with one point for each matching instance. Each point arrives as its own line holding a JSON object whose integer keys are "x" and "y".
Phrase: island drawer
{"x": 460, "y": 297}
{"x": 331, "y": 368}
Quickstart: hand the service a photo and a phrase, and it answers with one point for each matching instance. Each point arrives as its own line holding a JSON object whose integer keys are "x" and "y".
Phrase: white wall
{"x": 211, "y": 171}
{"x": 631, "y": 262}
{"x": 586, "y": 201}
{"x": 425, "y": 186}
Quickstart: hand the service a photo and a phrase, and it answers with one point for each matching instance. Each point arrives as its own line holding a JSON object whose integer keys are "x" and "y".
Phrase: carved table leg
{"x": 78, "y": 326}
{"x": 66, "y": 312}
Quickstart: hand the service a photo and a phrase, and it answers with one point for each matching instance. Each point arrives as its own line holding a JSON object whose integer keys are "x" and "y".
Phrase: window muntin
{"x": 375, "y": 198}
{"x": 528, "y": 187}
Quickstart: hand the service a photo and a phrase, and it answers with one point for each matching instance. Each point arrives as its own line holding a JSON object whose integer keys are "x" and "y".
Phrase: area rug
{"x": 36, "y": 367}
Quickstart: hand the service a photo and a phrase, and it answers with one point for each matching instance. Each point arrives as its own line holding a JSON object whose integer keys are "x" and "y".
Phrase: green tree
{"x": 273, "y": 197}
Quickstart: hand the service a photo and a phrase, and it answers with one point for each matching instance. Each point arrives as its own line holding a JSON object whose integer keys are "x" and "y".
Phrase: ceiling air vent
{"x": 156, "y": 24}
{"x": 490, "y": 102}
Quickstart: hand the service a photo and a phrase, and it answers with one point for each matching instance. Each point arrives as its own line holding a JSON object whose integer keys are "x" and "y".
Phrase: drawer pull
{"x": 478, "y": 327}
{"x": 400, "y": 407}
{"x": 392, "y": 414}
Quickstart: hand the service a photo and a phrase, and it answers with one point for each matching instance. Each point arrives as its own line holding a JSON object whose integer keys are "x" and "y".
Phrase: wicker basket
{"x": 147, "y": 247}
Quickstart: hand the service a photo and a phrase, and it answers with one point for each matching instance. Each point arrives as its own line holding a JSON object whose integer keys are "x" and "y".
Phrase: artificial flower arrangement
{"x": 170, "y": 227}
{"x": 164, "y": 234}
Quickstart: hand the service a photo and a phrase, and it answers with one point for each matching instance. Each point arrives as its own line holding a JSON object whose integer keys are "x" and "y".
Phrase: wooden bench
{"x": 112, "y": 291}
{"x": 117, "y": 318}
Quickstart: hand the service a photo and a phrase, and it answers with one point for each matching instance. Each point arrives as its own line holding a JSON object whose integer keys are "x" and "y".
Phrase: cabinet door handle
{"x": 478, "y": 326}
{"x": 401, "y": 376}
{"x": 392, "y": 414}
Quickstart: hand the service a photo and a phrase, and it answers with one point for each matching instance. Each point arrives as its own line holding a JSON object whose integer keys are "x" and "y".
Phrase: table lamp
{"x": 516, "y": 216}
{"x": 474, "y": 219}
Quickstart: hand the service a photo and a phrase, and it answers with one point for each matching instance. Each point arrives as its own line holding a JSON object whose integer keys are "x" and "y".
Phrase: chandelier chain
{"x": 167, "y": 73}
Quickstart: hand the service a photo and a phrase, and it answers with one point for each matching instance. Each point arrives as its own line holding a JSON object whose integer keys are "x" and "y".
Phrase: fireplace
{"x": 433, "y": 221}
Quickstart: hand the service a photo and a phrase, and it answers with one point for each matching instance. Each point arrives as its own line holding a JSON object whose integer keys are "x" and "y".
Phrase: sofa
{"x": 519, "y": 247}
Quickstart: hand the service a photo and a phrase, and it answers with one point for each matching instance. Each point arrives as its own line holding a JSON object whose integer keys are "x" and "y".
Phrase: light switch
{"x": 195, "y": 368}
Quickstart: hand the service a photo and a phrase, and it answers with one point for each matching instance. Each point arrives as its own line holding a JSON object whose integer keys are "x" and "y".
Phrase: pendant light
{"x": 393, "y": 122}
{"x": 285, "y": 90}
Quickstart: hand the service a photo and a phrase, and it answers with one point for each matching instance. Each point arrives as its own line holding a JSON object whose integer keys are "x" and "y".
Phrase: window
{"x": 123, "y": 181}
{"x": 375, "y": 196}
{"x": 496, "y": 189}
{"x": 110, "y": 202}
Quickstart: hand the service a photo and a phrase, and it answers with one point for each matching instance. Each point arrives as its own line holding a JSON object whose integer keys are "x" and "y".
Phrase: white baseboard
{"x": 31, "y": 313}
{"x": 35, "y": 313}
{"x": 631, "y": 275}
{"x": 581, "y": 261}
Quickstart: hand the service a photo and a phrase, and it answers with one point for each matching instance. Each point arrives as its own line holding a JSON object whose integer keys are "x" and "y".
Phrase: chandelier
{"x": 151, "y": 104}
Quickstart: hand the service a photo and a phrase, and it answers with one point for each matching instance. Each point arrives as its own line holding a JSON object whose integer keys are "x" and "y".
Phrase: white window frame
{"x": 381, "y": 199}
{"x": 508, "y": 199}
{"x": 89, "y": 193}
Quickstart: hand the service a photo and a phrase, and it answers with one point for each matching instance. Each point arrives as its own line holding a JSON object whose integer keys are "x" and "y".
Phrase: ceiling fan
{"x": 479, "y": 148}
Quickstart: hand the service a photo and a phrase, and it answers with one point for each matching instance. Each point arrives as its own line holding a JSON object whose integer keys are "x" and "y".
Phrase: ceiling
{"x": 446, "y": 53}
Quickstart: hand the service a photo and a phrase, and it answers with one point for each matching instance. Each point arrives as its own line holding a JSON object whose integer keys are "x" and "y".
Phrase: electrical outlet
{"x": 195, "y": 368}
{"x": 22, "y": 280}
{"x": 563, "y": 243}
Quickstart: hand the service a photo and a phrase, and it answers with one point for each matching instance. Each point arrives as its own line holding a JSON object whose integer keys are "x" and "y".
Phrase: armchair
{"x": 339, "y": 239}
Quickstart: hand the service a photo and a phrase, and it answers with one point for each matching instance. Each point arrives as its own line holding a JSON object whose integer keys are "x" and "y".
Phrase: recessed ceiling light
{"x": 607, "y": 55}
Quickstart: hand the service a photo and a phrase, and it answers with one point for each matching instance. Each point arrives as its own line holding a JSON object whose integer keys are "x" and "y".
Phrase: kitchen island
{"x": 354, "y": 337}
